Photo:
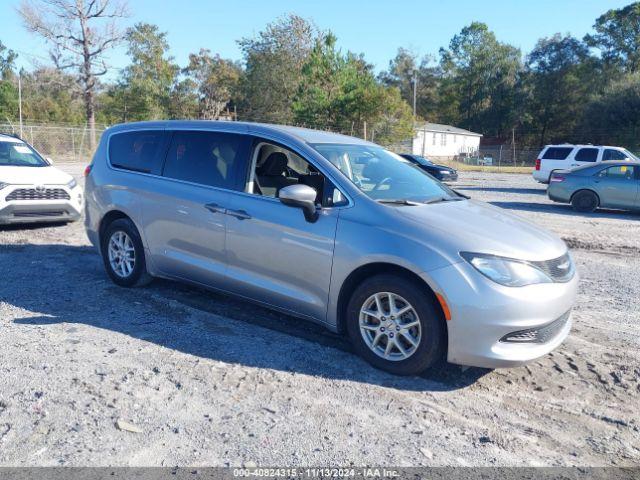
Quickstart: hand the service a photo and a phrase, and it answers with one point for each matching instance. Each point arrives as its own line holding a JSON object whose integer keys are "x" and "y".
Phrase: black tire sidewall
{"x": 139, "y": 269}
{"x": 433, "y": 341}
{"x": 576, "y": 201}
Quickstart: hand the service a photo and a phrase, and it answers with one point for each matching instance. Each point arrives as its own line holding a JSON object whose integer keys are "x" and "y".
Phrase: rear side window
{"x": 207, "y": 158}
{"x": 557, "y": 153}
{"x": 139, "y": 151}
{"x": 610, "y": 154}
{"x": 587, "y": 155}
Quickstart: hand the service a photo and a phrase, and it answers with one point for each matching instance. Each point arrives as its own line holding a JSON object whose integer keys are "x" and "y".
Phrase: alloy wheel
{"x": 390, "y": 326}
{"x": 122, "y": 254}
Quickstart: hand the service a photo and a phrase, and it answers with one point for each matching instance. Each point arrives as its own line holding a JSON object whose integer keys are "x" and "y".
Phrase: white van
{"x": 566, "y": 157}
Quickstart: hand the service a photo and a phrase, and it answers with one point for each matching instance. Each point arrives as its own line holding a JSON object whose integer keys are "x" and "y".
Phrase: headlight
{"x": 506, "y": 271}
{"x": 445, "y": 172}
{"x": 72, "y": 183}
{"x": 2, "y": 185}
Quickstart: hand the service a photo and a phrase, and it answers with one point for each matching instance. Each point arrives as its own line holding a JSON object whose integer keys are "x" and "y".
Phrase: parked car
{"x": 441, "y": 172}
{"x": 31, "y": 189}
{"x": 332, "y": 229}
{"x": 606, "y": 184}
{"x": 566, "y": 157}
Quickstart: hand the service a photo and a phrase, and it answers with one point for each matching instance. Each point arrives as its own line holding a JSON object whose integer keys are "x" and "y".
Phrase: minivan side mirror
{"x": 300, "y": 196}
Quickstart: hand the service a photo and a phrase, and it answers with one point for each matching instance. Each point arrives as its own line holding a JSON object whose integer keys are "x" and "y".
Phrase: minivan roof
{"x": 302, "y": 134}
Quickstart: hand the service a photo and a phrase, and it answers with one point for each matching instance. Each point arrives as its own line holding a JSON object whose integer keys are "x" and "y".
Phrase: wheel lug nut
{"x": 382, "y": 329}
{"x": 391, "y": 334}
{"x": 392, "y": 317}
{"x": 383, "y": 318}
{"x": 397, "y": 329}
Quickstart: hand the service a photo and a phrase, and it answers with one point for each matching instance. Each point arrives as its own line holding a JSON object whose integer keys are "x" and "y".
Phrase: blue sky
{"x": 375, "y": 28}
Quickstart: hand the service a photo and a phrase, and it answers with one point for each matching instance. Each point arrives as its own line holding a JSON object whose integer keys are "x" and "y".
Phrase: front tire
{"x": 123, "y": 254}
{"x": 394, "y": 324}
{"x": 585, "y": 201}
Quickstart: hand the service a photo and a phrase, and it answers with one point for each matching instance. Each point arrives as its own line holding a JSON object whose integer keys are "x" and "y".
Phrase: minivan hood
{"x": 33, "y": 176}
{"x": 473, "y": 226}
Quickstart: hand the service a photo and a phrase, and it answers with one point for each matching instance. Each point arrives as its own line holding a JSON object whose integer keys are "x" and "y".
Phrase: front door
{"x": 618, "y": 187}
{"x": 275, "y": 255}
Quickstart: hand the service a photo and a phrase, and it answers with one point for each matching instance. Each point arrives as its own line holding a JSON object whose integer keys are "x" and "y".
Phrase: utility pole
{"x": 513, "y": 143}
{"x": 415, "y": 90}
{"x": 20, "y": 100}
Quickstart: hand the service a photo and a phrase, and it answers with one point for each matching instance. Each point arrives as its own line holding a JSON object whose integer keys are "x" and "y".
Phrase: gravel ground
{"x": 202, "y": 379}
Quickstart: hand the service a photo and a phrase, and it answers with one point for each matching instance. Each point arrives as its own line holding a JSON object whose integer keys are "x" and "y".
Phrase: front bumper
{"x": 483, "y": 312}
{"x": 450, "y": 177}
{"x": 40, "y": 210}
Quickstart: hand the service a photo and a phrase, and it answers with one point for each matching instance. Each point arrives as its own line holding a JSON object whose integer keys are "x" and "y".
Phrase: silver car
{"x": 332, "y": 229}
{"x": 606, "y": 185}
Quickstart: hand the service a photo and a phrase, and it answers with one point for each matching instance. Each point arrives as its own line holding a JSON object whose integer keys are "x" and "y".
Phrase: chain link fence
{"x": 67, "y": 143}
{"x": 61, "y": 143}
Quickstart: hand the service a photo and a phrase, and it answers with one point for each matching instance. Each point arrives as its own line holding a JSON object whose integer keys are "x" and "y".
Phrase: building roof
{"x": 438, "y": 127}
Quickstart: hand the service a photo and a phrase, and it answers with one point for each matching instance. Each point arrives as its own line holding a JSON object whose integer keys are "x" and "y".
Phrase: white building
{"x": 436, "y": 140}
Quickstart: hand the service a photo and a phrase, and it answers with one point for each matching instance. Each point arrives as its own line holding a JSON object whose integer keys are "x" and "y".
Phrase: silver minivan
{"x": 332, "y": 229}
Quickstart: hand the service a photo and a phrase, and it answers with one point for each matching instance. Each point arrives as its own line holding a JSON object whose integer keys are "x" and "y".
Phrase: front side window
{"x": 383, "y": 175}
{"x": 622, "y": 172}
{"x": 207, "y": 158}
{"x": 610, "y": 154}
{"x": 587, "y": 155}
{"x": 19, "y": 154}
{"x": 275, "y": 167}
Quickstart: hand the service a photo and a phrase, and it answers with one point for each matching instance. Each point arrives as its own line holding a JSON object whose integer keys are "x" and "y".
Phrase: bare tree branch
{"x": 79, "y": 33}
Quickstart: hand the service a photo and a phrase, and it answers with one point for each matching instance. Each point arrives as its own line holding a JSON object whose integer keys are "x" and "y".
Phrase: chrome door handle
{"x": 215, "y": 208}
{"x": 239, "y": 214}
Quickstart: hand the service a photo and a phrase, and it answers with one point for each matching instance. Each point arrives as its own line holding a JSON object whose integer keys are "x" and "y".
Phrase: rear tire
{"x": 585, "y": 201}
{"x": 123, "y": 254}
{"x": 414, "y": 340}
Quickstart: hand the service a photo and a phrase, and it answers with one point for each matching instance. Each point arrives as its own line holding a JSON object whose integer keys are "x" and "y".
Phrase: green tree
{"x": 617, "y": 36}
{"x": 403, "y": 70}
{"x": 51, "y": 95}
{"x": 559, "y": 77}
{"x": 147, "y": 84}
{"x": 479, "y": 79}
{"x": 273, "y": 65}
{"x": 612, "y": 118}
{"x": 216, "y": 81}
{"x": 8, "y": 91}
{"x": 340, "y": 92}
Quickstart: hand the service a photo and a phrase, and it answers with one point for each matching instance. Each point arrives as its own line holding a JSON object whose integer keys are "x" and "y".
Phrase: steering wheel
{"x": 382, "y": 182}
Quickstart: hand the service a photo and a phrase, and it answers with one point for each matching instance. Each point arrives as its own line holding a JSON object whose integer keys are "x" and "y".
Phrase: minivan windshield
{"x": 19, "y": 154}
{"x": 385, "y": 176}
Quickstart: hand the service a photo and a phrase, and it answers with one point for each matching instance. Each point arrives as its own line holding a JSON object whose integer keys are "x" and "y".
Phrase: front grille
{"x": 560, "y": 269}
{"x": 47, "y": 213}
{"x": 38, "y": 194}
{"x": 538, "y": 334}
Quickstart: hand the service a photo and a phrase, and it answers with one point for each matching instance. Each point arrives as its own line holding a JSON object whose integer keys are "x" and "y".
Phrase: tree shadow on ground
{"x": 67, "y": 284}
{"x": 562, "y": 209}
{"x": 513, "y": 190}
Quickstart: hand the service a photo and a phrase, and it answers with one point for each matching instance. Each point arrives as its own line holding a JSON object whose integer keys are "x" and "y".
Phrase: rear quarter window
{"x": 139, "y": 151}
{"x": 557, "y": 153}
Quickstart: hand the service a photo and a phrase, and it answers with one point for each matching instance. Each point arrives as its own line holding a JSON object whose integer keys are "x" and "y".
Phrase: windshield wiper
{"x": 398, "y": 201}
{"x": 442, "y": 199}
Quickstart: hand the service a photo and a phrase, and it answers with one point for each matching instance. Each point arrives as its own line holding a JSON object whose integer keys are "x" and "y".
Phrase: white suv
{"x": 31, "y": 190}
{"x": 566, "y": 157}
